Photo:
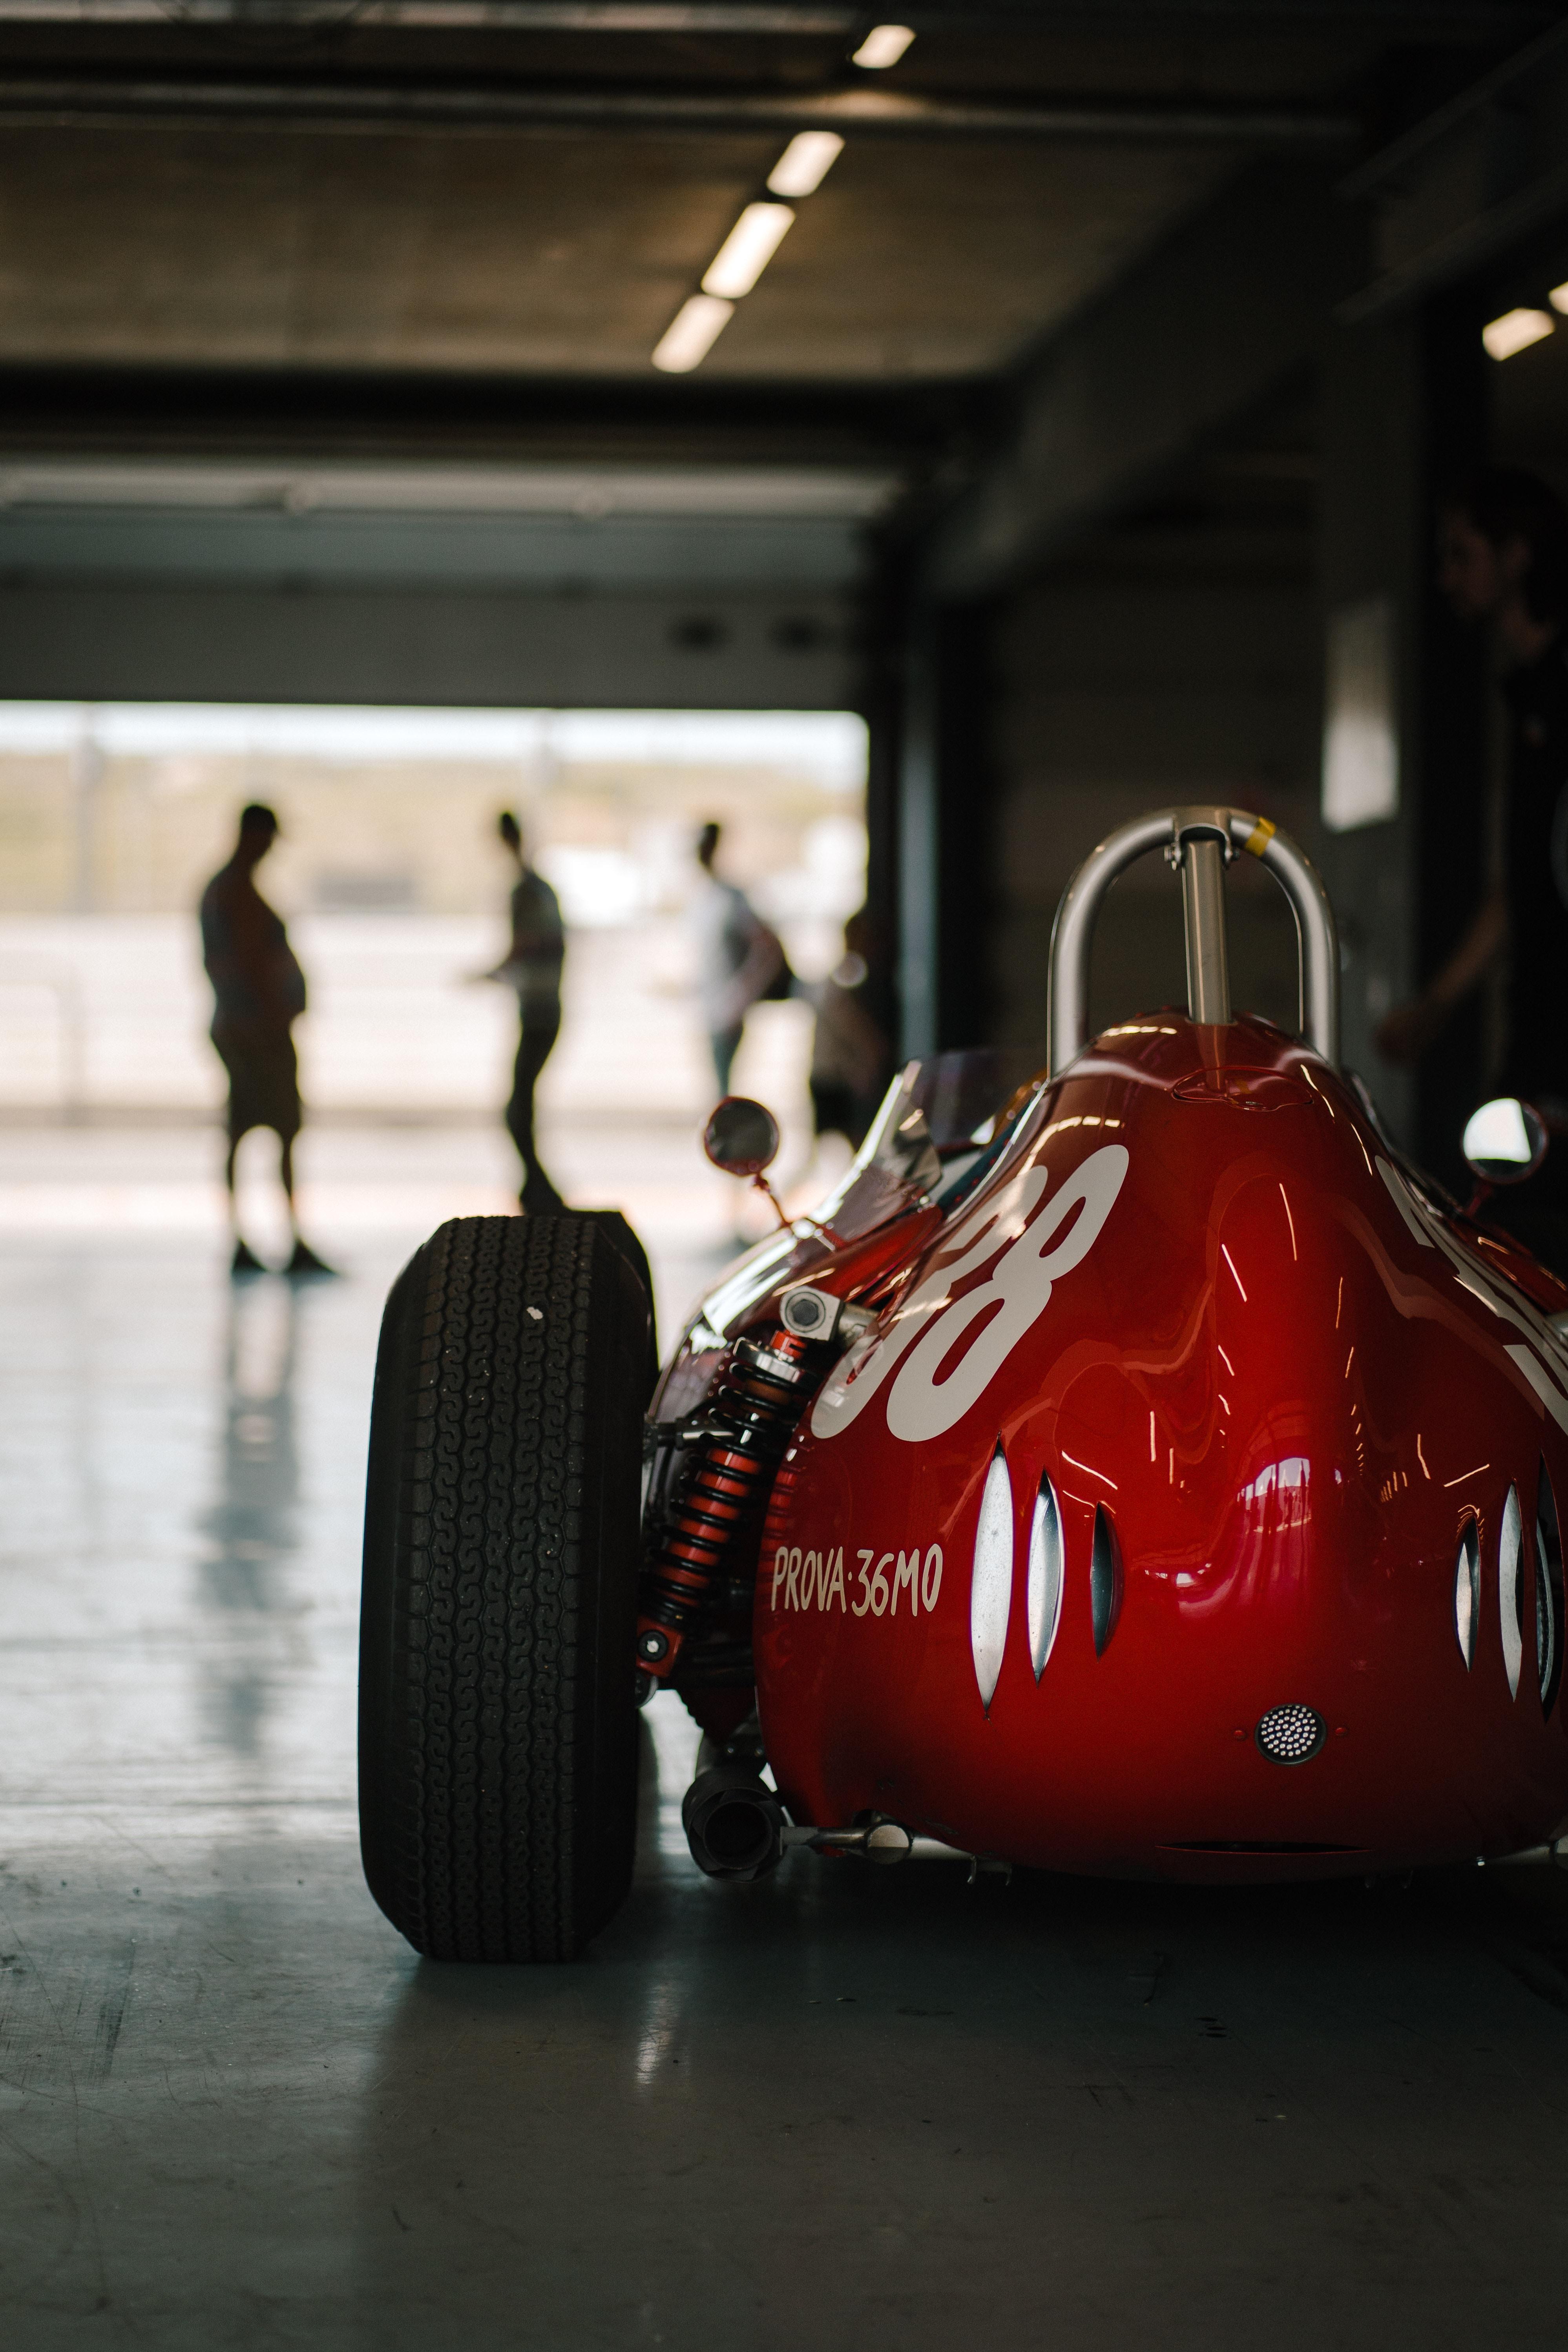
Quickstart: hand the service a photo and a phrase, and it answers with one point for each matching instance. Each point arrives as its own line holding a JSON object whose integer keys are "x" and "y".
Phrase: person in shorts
{"x": 258, "y": 993}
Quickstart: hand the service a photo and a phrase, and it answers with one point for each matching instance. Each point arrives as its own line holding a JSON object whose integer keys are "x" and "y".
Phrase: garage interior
{"x": 1120, "y": 352}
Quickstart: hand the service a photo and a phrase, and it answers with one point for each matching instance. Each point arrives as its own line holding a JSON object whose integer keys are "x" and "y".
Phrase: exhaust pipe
{"x": 734, "y": 1826}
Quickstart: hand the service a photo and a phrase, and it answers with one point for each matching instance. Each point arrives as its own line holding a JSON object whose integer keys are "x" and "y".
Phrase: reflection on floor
{"x": 843, "y": 2109}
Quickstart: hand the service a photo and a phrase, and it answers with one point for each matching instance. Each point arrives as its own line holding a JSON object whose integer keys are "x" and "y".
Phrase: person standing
{"x": 1503, "y": 564}
{"x": 739, "y": 959}
{"x": 259, "y": 991}
{"x": 851, "y": 1060}
{"x": 533, "y": 967}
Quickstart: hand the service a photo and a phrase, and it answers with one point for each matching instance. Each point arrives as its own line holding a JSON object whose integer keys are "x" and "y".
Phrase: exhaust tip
{"x": 733, "y": 1824}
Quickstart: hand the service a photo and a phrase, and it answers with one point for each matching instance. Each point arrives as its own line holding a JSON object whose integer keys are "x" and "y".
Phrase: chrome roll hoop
{"x": 1200, "y": 843}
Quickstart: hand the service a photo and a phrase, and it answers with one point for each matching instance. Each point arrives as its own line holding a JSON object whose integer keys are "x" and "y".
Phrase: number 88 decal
{"x": 931, "y": 1321}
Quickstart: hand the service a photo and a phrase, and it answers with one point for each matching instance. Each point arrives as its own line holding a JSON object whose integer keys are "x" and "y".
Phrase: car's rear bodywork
{"x": 1179, "y": 1495}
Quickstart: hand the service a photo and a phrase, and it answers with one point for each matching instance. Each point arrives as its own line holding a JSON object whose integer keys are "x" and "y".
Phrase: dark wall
{"x": 1174, "y": 660}
{"x": 124, "y": 640}
{"x": 938, "y": 749}
{"x": 1454, "y": 745}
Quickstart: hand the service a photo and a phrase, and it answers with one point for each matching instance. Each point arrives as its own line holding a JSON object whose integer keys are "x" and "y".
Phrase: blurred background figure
{"x": 741, "y": 959}
{"x": 1503, "y": 564}
{"x": 259, "y": 992}
{"x": 533, "y": 967}
{"x": 850, "y": 1057}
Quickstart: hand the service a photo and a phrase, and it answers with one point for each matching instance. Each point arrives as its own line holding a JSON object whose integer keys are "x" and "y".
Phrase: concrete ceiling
{"x": 365, "y": 292}
{"x": 191, "y": 245}
{"x": 263, "y": 185}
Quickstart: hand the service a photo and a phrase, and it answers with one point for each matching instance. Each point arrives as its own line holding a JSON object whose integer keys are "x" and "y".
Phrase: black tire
{"x": 624, "y": 1236}
{"x": 497, "y": 1728}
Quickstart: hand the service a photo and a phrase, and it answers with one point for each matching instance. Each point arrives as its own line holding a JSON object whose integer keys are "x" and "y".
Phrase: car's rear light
{"x": 1510, "y": 1588}
{"x": 1044, "y": 1576}
{"x": 1104, "y": 1579}
{"x": 991, "y": 1590}
{"x": 1468, "y": 1591}
{"x": 1548, "y": 1593}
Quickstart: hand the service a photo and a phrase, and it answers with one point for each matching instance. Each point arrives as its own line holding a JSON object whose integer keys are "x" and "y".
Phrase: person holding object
{"x": 533, "y": 967}
{"x": 741, "y": 959}
{"x": 1503, "y": 562}
{"x": 259, "y": 994}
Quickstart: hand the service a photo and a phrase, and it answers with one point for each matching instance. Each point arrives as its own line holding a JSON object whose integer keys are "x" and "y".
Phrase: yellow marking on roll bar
{"x": 1259, "y": 839}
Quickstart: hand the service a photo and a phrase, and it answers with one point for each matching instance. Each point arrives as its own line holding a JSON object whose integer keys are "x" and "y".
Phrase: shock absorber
{"x": 750, "y": 1416}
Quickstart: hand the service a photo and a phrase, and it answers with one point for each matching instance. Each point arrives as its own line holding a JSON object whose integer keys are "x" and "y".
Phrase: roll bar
{"x": 1200, "y": 844}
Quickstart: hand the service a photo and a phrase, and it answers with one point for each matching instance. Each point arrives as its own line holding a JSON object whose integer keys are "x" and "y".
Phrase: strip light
{"x": 883, "y": 45}
{"x": 1515, "y": 331}
{"x": 811, "y": 155}
{"x": 747, "y": 250}
{"x": 692, "y": 334}
{"x": 745, "y": 253}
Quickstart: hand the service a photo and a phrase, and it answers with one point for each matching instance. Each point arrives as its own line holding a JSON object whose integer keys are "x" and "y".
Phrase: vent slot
{"x": 1548, "y": 1593}
{"x": 1104, "y": 1579}
{"x": 1510, "y": 1588}
{"x": 991, "y": 1588}
{"x": 1044, "y": 1576}
{"x": 1468, "y": 1591}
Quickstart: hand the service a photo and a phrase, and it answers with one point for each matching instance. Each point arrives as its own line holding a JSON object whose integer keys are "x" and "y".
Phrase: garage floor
{"x": 846, "y": 2108}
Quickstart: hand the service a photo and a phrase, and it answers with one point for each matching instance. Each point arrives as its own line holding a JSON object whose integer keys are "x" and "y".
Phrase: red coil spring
{"x": 753, "y": 1410}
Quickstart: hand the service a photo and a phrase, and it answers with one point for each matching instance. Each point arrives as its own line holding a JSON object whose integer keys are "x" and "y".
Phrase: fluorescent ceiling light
{"x": 692, "y": 333}
{"x": 1515, "y": 331}
{"x": 883, "y": 45}
{"x": 810, "y": 156}
{"x": 747, "y": 251}
{"x": 1558, "y": 297}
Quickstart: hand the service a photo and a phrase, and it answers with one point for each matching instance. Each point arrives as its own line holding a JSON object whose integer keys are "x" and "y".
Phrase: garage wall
{"x": 1148, "y": 670}
{"x": 116, "y": 639}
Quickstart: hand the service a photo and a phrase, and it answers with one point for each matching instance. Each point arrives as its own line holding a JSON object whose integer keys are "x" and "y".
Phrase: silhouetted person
{"x": 1503, "y": 563}
{"x": 532, "y": 967}
{"x": 850, "y": 1057}
{"x": 259, "y": 992}
{"x": 739, "y": 959}
{"x": 1503, "y": 559}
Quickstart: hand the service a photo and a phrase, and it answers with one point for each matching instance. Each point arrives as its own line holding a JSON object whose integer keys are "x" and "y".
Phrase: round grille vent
{"x": 1290, "y": 1735}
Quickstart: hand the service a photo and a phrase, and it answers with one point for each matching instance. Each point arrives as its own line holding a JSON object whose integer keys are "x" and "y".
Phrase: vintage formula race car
{"x": 1150, "y": 1474}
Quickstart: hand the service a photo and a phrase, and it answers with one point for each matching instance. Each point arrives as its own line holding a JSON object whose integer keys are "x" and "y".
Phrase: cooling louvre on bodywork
{"x": 1548, "y": 1593}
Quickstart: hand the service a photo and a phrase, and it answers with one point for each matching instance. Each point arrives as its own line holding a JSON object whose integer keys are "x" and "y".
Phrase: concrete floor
{"x": 883, "y": 2111}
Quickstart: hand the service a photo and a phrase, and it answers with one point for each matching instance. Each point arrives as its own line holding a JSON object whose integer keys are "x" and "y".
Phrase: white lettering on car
{"x": 1013, "y": 1228}
{"x": 1545, "y": 1363}
{"x": 816, "y": 1580}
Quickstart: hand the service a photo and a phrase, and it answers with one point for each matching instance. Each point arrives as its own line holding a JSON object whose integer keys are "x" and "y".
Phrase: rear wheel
{"x": 498, "y": 1729}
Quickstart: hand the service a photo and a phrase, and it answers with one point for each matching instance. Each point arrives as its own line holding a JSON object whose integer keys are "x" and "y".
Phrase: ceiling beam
{"x": 1470, "y": 181}
{"x": 89, "y": 100}
{"x": 1465, "y": 20}
{"x": 1213, "y": 322}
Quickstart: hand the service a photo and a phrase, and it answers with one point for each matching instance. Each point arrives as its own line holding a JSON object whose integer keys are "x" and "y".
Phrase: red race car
{"x": 1151, "y": 1474}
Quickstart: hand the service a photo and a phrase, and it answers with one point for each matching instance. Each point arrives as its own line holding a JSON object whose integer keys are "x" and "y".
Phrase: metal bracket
{"x": 1199, "y": 843}
{"x": 879, "y": 1841}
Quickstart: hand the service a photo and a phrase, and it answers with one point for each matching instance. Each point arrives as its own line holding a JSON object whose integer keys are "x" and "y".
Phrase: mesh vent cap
{"x": 1291, "y": 1734}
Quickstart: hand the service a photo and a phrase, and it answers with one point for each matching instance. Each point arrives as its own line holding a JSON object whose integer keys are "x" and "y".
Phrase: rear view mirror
{"x": 1505, "y": 1141}
{"x": 742, "y": 1137}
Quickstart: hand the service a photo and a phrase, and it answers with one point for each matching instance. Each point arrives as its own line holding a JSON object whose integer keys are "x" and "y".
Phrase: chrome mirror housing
{"x": 1505, "y": 1141}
